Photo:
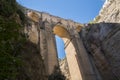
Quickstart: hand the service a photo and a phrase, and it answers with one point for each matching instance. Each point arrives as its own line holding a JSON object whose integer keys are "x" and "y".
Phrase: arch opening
{"x": 60, "y": 47}
{"x": 70, "y": 52}
{"x": 60, "y": 34}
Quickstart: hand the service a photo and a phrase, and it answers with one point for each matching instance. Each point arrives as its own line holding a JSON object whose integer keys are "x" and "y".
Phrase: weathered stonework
{"x": 41, "y": 30}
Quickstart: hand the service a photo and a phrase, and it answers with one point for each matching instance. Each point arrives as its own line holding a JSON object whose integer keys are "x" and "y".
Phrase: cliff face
{"x": 110, "y": 11}
{"x": 102, "y": 40}
{"x": 64, "y": 68}
{"x": 32, "y": 64}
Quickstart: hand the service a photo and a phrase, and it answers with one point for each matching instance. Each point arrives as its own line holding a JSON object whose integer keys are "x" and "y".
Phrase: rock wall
{"x": 64, "y": 68}
{"x": 102, "y": 40}
{"x": 33, "y": 67}
{"x": 110, "y": 12}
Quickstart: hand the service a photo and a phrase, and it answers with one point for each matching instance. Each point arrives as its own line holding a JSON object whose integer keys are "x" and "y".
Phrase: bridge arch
{"x": 70, "y": 51}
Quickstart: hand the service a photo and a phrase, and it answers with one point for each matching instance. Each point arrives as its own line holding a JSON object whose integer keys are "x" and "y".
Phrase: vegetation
{"x": 11, "y": 39}
{"x": 7, "y": 7}
{"x": 56, "y": 75}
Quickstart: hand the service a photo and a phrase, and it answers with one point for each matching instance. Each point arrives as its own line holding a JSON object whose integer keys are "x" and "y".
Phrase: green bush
{"x": 7, "y": 7}
{"x": 8, "y": 66}
{"x": 11, "y": 40}
{"x": 10, "y": 43}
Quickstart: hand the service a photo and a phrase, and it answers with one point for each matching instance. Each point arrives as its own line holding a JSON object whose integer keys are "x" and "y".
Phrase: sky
{"x": 60, "y": 47}
{"x": 82, "y": 11}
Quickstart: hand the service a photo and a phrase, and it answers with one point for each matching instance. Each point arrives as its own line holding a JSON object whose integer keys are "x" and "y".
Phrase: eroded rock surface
{"x": 64, "y": 68}
{"x": 102, "y": 41}
{"x": 110, "y": 11}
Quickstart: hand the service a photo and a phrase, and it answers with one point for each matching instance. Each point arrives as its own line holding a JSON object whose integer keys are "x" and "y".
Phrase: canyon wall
{"x": 110, "y": 12}
{"x": 102, "y": 43}
{"x": 102, "y": 40}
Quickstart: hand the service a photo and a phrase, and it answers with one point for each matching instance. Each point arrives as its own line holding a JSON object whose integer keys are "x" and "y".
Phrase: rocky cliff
{"x": 110, "y": 12}
{"x": 64, "y": 68}
{"x": 102, "y": 40}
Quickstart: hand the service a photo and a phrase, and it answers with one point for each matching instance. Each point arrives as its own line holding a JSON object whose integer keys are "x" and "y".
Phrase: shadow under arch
{"x": 71, "y": 54}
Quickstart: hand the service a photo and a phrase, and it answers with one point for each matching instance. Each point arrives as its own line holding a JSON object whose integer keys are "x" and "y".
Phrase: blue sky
{"x": 82, "y": 11}
{"x": 60, "y": 47}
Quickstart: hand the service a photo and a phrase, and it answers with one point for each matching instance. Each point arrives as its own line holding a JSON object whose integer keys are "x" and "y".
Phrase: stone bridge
{"x": 41, "y": 30}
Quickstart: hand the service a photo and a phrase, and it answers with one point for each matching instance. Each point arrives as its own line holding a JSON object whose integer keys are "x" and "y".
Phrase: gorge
{"x": 92, "y": 49}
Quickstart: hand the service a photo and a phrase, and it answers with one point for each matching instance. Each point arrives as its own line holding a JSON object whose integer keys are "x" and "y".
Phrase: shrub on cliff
{"x": 56, "y": 75}
{"x": 11, "y": 40}
{"x": 7, "y": 7}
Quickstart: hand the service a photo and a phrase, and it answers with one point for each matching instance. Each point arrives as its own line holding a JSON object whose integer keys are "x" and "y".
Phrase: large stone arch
{"x": 70, "y": 51}
{"x": 44, "y": 27}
